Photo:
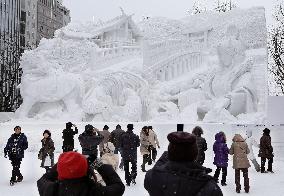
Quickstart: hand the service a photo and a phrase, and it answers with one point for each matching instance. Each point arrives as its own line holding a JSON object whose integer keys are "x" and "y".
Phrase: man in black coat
{"x": 68, "y": 137}
{"x": 71, "y": 176}
{"x": 129, "y": 144}
{"x": 201, "y": 144}
{"x": 115, "y": 138}
{"x": 15, "y": 148}
{"x": 89, "y": 141}
{"x": 177, "y": 173}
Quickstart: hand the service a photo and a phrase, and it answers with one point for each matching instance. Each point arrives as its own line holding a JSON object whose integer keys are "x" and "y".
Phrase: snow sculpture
{"x": 44, "y": 84}
{"x": 117, "y": 97}
{"x": 228, "y": 90}
{"x": 195, "y": 69}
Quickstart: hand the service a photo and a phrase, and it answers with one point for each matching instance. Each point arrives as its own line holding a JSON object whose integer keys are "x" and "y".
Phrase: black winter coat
{"x": 265, "y": 147}
{"x": 129, "y": 144}
{"x": 89, "y": 142}
{"x": 48, "y": 185}
{"x": 169, "y": 178}
{"x": 16, "y": 146}
{"x": 115, "y": 137}
{"x": 202, "y": 147}
{"x": 68, "y": 137}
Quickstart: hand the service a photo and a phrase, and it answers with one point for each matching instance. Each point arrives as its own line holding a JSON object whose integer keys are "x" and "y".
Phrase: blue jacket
{"x": 22, "y": 145}
{"x": 221, "y": 151}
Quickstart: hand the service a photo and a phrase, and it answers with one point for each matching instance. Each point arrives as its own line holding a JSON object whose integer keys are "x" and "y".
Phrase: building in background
{"x": 23, "y": 23}
{"x": 11, "y": 39}
{"x": 30, "y": 23}
{"x": 51, "y": 15}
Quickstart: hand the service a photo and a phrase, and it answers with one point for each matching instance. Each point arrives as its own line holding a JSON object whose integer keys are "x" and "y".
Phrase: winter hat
{"x": 197, "y": 131}
{"x": 118, "y": 126}
{"x": 48, "y": 132}
{"x": 130, "y": 127}
{"x": 266, "y": 131}
{"x": 68, "y": 125}
{"x": 89, "y": 128}
{"x": 71, "y": 165}
{"x": 106, "y": 127}
{"x": 182, "y": 147}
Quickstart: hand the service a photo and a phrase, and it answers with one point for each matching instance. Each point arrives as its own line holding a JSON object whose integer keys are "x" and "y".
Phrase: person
{"x": 108, "y": 158}
{"x": 115, "y": 138}
{"x": 221, "y": 152}
{"x": 154, "y": 143}
{"x": 68, "y": 137}
{"x": 266, "y": 151}
{"x": 15, "y": 148}
{"x": 239, "y": 149}
{"x": 252, "y": 142}
{"x": 145, "y": 147}
{"x": 129, "y": 144}
{"x": 177, "y": 173}
{"x": 71, "y": 176}
{"x": 89, "y": 142}
{"x": 201, "y": 144}
{"x": 47, "y": 151}
{"x": 106, "y": 134}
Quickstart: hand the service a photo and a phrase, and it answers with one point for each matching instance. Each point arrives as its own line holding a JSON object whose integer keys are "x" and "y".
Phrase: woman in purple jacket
{"x": 221, "y": 152}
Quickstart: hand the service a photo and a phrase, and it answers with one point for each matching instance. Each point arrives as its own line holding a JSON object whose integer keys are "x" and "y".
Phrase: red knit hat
{"x": 71, "y": 165}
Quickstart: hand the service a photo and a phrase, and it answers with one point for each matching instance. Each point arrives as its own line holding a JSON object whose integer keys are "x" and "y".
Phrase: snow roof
{"x": 113, "y": 23}
{"x": 89, "y": 30}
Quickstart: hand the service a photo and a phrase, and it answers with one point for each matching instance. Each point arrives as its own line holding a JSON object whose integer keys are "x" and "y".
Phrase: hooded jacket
{"x": 221, "y": 151}
{"x": 240, "y": 150}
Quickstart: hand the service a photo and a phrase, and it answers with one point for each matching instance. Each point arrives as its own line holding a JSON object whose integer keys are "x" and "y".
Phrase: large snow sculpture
{"x": 192, "y": 69}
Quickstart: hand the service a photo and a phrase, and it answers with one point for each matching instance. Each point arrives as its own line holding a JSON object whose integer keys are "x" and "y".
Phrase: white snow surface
{"x": 261, "y": 184}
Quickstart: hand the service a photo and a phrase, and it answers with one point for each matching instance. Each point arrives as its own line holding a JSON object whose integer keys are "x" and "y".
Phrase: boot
{"x": 20, "y": 178}
{"x": 143, "y": 168}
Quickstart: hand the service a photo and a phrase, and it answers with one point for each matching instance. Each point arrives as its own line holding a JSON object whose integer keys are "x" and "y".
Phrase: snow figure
{"x": 117, "y": 96}
{"x": 252, "y": 142}
{"x": 228, "y": 90}
{"x": 47, "y": 83}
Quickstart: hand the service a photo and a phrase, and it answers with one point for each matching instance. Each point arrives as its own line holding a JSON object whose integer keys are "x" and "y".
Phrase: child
{"x": 47, "y": 151}
{"x": 221, "y": 152}
{"x": 240, "y": 151}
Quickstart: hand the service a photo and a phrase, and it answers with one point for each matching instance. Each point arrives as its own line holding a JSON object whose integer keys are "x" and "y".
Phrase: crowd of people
{"x": 179, "y": 171}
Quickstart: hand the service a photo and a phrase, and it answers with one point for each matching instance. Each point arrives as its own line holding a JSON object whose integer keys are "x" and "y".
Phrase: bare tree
{"x": 197, "y": 8}
{"x": 10, "y": 72}
{"x": 224, "y": 5}
{"x": 276, "y": 47}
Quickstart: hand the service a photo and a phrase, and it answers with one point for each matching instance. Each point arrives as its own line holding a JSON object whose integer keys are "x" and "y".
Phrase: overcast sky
{"x": 86, "y": 10}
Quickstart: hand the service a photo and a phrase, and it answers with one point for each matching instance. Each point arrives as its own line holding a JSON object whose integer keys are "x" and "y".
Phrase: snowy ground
{"x": 261, "y": 184}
